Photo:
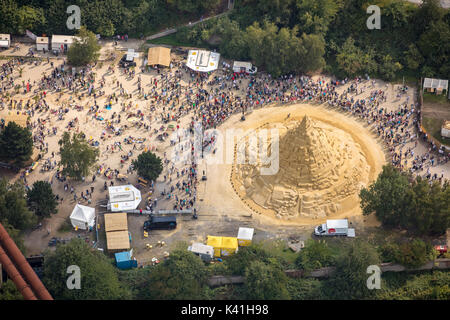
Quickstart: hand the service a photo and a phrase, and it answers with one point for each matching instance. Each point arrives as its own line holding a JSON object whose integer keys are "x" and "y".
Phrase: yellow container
{"x": 216, "y": 243}
{"x": 229, "y": 246}
{"x": 245, "y": 236}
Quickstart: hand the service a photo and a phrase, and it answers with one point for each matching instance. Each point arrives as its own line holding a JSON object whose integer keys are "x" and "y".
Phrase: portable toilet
{"x": 216, "y": 243}
{"x": 229, "y": 246}
{"x": 245, "y": 236}
{"x": 124, "y": 260}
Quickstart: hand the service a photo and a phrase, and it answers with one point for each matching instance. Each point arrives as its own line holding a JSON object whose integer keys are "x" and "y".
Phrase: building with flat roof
{"x": 41, "y": 43}
{"x": 116, "y": 227}
{"x": 437, "y": 86}
{"x": 122, "y": 198}
{"x": 62, "y": 43}
{"x": 5, "y": 40}
{"x": 202, "y": 60}
{"x": 159, "y": 56}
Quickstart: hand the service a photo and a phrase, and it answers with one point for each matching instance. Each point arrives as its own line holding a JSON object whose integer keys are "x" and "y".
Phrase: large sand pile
{"x": 321, "y": 170}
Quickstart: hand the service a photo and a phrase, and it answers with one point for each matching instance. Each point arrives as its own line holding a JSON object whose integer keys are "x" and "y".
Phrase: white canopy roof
{"x": 429, "y": 83}
{"x": 204, "y": 61}
{"x": 122, "y": 198}
{"x": 245, "y": 233}
{"x": 337, "y": 224}
{"x": 82, "y": 215}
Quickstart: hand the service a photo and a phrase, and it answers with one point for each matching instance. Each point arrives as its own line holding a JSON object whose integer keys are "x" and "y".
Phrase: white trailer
{"x": 337, "y": 227}
{"x": 247, "y": 67}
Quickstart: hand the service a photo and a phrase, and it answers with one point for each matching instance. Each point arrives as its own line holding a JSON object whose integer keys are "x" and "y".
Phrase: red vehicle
{"x": 441, "y": 249}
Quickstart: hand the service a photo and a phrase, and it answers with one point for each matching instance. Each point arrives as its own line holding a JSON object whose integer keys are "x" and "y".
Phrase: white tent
{"x": 82, "y": 217}
{"x": 201, "y": 60}
{"x": 122, "y": 198}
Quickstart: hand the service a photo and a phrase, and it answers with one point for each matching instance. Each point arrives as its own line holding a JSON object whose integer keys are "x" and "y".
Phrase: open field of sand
{"x": 222, "y": 187}
{"x": 222, "y": 207}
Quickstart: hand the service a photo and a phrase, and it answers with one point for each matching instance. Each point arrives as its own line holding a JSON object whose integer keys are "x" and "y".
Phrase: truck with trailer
{"x": 337, "y": 227}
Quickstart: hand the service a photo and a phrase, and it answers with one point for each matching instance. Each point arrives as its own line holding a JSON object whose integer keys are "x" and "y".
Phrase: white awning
{"x": 82, "y": 216}
{"x": 203, "y": 61}
{"x": 123, "y": 198}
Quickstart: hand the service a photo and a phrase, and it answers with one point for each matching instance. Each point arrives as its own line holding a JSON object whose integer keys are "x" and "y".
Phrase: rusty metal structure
{"x": 19, "y": 270}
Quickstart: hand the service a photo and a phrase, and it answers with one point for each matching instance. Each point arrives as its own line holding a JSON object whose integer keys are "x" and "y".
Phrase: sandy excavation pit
{"x": 324, "y": 158}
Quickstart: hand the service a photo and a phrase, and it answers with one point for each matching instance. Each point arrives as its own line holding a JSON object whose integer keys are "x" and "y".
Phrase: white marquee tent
{"x": 123, "y": 198}
{"x": 82, "y": 217}
{"x": 201, "y": 60}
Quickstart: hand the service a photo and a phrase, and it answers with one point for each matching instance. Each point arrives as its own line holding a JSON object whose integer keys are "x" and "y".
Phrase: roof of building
{"x": 118, "y": 240}
{"x": 42, "y": 40}
{"x": 123, "y": 256}
{"x": 116, "y": 222}
{"x": 337, "y": 224}
{"x": 435, "y": 83}
{"x": 83, "y": 214}
{"x": 159, "y": 56}
{"x": 125, "y": 197}
{"x": 201, "y": 248}
{"x": 446, "y": 125}
{"x": 5, "y": 36}
{"x": 229, "y": 243}
{"x": 245, "y": 233}
{"x": 214, "y": 241}
{"x": 202, "y": 60}
{"x": 62, "y": 39}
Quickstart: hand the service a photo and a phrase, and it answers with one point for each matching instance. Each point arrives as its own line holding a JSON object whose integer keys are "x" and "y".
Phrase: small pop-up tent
{"x": 82, "y": 217}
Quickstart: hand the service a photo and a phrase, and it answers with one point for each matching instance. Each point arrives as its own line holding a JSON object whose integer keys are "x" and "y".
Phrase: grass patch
{"x": 171, "y": 40}
{"x": 433, "y": 127}
{"x": 66, "y": 226}
{"x": 280, "y": 250}
{"x": 435, "y": 98}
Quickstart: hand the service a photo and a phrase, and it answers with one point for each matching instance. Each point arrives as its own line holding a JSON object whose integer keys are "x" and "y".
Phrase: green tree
{"x": 16, "y": 144}
{"x": 266, "y": 281}
{"x": 389, "y": 197}
{"x": 8, "y": 291}
{"x": 148, "y": 165}
{"x": 389, "y": 68}
{"x": 411, "y": 254}
{"x": 413, "y": 57}
{"x": 414, "y": 254}
{"x": 315, "y": 255}
{"x": 193, "y": 6}
{"x": 77, "y": 156}
{"x": 13, "y": 206}
{"x": 316, "y": 15}
{"x": 42, "y": 200}
{"x": 182, "y": 276}
{"x": 99, "y": 278}
{"x": 350, "y": 278}
{"x": 29, "y": 18}
{"x": 238, "y": 262}
{"x": 350, "y": 58}
{"x": 85, "y": 49}
{"x": 305, "y": 289}
{"x": 430, "y": 286}
{"x": 312, "y": 59}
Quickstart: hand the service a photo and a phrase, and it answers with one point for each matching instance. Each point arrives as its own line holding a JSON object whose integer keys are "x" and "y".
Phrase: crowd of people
{"x": 179, "y": 93}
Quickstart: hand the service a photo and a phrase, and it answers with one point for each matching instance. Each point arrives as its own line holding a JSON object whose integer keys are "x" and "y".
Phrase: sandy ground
{"x": 220, "y": 209}
{"x": 219, "y": 190}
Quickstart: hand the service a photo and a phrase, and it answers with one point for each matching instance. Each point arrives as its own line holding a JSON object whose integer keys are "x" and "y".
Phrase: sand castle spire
{"x": 319, "y": 167}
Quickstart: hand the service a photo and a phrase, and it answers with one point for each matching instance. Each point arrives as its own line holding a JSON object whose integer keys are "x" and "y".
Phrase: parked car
{"x": 160, "y": 223}
{"x": 124, "y": 63}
